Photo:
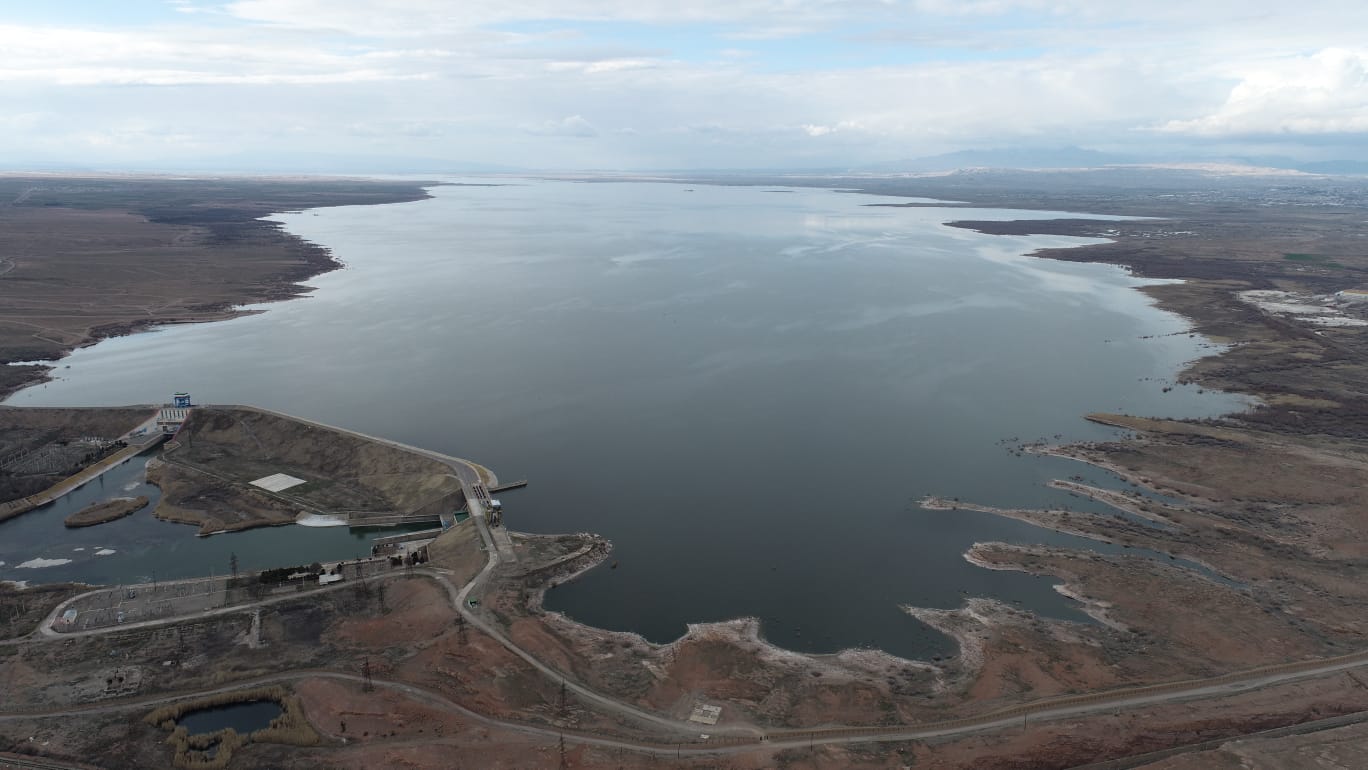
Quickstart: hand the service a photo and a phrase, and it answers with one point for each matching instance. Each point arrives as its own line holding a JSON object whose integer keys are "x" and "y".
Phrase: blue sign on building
{"x": 181, "y": 400}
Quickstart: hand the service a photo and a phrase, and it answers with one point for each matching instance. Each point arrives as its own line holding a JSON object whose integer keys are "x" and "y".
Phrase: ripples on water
{"x": 745, "y": 391}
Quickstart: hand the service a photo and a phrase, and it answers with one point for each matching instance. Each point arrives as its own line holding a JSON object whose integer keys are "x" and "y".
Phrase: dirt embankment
{"x": 40, "y": 446}
{"x": 206, "y": 474}
{"x": 110, "y": 510}
{"x": 90, "y": 258}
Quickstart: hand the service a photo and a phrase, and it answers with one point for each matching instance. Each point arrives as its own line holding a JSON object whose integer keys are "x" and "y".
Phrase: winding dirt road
{"x": 689, "y": 742}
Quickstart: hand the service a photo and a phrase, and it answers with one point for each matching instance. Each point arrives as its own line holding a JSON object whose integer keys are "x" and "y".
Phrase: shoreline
{"x": 245, "y": 258}
{"x": 104, "y": 512}
{"x": 15, "y": 508}
{"x": 1043, "y": 254}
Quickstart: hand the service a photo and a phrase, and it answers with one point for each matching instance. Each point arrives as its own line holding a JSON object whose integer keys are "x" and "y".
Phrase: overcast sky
{"x": 635, "y": 84}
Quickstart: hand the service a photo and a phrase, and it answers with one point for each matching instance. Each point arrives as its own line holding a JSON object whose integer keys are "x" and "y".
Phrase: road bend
{"x": 744, "y": 740}
{"x": 723, "y": 740}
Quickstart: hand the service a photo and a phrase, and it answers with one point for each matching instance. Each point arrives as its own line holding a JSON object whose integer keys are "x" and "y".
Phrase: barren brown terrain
{"x": 206, "y": 474}
{"x": 1238, "y": 550}
{"x": 40, "y": 447}
{"x": 87, "y": 258}
{"x": 109, "y": 510}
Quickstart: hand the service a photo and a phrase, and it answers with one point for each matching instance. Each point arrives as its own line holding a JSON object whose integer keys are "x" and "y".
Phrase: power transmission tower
{"x": 368, "y": 685}
{"x": 233, "y": 564}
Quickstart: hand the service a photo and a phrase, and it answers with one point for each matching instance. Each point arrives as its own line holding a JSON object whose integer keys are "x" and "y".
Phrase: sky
{"x": 677, "y": 84}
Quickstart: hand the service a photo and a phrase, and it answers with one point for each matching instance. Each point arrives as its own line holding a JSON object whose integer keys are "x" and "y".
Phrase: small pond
{"x": 243, "y": 717}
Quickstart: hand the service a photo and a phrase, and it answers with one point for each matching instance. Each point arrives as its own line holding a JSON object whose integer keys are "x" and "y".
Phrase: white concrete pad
{"x": 705, "y": 714}
{"x": 277, "y": 482}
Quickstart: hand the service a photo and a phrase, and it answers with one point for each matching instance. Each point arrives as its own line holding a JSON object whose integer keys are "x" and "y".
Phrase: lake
{"x": 745, "y": 388}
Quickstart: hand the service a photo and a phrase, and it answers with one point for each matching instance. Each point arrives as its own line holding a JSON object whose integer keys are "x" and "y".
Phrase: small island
{"x": 109, "y": 510}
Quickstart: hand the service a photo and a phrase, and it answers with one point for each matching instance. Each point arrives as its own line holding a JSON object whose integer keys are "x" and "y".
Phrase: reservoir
{"x": 745, "y": 390}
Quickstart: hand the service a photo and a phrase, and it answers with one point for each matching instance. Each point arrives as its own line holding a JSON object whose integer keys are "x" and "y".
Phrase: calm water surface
{"x": 37, "y": 546}
{"x": 244, "y": 718}
{"x": 745, "y": 391}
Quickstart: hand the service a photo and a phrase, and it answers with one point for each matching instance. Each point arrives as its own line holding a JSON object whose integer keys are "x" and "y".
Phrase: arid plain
{"x": 1269, "y": 501}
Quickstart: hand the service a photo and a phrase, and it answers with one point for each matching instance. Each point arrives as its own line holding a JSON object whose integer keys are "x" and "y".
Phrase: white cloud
{"x": 765, "y": 33}
{"x": 435, "y": 78}
{"x": 403, "y": 18}
{"x": 845, "y": 126}
{"x": 575, "y": 126}
{"x": 87, "y": 76}
{"x": 71, "y": 56}
{"x": 596, "y": 67}
{"x": 1322, "y": 94}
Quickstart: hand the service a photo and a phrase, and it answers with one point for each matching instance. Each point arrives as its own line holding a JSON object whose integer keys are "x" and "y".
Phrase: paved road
{"x": 734, "y": 739}
{"x": 740, "y": 740}
{"x": 685, "y": 747}
{"x": 20, "y": 762}
{"x": 45, "y": 632}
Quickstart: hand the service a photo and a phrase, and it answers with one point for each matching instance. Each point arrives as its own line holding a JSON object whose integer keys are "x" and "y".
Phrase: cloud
{"x": 765, "y": 33}
{"x": 88, "y": 76}
{"x": 813, "y": 83}
{"x": 403, "y": 18}
{"x": 1322, "y": 94}
{"x": 82, "y": 57}
{"x": 575, "y": 126}
{"x": 815, "y": 130}
{"x": 605, "y": 65}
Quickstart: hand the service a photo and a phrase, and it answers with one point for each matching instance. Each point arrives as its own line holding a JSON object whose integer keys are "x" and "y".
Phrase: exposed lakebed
{"x": 745, "y": 392}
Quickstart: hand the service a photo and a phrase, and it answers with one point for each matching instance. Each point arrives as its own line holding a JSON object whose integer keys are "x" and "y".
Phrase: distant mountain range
{"x": 1061, "y": 157}
{"x": 1078, "y": 157}
{"x": 1006, "y": 158}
